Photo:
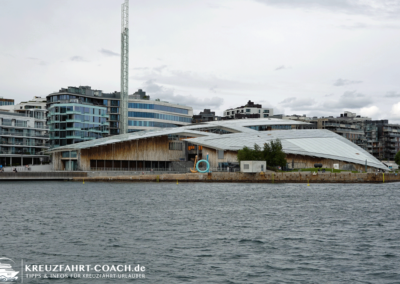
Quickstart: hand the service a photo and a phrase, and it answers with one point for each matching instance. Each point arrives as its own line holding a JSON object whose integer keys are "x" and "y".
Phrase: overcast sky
{"x": 314, "y": 57}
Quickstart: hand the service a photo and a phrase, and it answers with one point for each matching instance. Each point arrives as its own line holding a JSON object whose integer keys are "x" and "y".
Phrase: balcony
{"x": 24, "y": 143}
{"x": 18, "y": 152}
{"x": 351, "y": 131}
{"x": 22, "y": 134}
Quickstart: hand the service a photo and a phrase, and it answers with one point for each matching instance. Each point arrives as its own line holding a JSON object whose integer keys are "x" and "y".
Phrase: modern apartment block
{"x": 382, "y": 139}
{"x": 77, "y": 114}
{"x": 23, "y": 133}
{"x": 23, "y": 139}
{"x": 250, "y": 110}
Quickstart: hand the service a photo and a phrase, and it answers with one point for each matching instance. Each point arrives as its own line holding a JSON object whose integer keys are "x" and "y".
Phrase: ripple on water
{"x": 208, "y": 233}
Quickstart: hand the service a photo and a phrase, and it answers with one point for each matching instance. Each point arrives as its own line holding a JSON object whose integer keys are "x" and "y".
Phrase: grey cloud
{"x": 107, "y": 52}
{"x": 213, "y": 89}
{"x": 282, "y": 67}
{"x": 298, "y": 103}
{"x": 348, "y": 100}
{"x": 140, "y": 68}
{"x": 160, "y": 68}
{"x": 359, "y": 26}
{"x": 39, "y": 61}
{"x": 392, "y": 95}
{"x": 267, "y": 104}
{"x": 78, "y": 59}
{"x": 374, "y": 7}
{"x": 343, "y": 82}
{"x": 189, "y": 79}
{"x": 157, "y": 91}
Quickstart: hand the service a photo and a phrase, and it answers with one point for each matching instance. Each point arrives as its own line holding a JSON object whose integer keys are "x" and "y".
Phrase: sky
{"x": 313, "y": 57}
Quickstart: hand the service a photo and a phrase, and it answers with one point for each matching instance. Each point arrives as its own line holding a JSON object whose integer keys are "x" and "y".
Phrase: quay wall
{"x": 298, "y": 177}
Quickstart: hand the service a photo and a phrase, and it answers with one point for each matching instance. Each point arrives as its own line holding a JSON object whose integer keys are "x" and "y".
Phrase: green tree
{"x": 272, "y": 153}
{"x": 397, "y": 158}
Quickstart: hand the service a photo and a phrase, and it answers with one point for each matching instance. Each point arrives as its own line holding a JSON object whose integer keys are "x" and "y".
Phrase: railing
{"x": 25, "y": 144}
{"x": 8, "y": 133}
{"x": 16, "y": 152}
{"x": 155, "y": 170}
{"x": 345, "y": 130}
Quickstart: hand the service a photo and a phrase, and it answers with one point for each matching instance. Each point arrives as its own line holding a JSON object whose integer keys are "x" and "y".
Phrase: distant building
{"x": 380, "y": 138}
{"x": 23, "y": 138}
{"x": 383, "y": 139}
{"x": 250, "y": 110}
{"x": 6, "y": 102}
{"x": 204, "y": 116}
{"x": 24, "y": 135}
{"x": 78, "y": 114}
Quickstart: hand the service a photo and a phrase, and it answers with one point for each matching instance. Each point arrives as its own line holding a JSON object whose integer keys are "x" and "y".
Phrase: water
{"x": 207, "y": 233}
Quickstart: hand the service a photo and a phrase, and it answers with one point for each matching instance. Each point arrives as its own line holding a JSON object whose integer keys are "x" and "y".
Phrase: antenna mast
{"x": 124, "y": 67}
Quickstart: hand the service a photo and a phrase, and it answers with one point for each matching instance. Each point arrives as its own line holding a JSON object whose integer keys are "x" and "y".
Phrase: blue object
{"x": 206, "y": 170}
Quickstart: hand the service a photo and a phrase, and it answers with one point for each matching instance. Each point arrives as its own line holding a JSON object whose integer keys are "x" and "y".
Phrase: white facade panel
{"x": 253, "y": 166}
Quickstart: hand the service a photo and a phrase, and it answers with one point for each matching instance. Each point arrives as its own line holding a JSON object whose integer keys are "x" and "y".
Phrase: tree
{"x": 272, "y": 153}
{"x": 397, "y": 158}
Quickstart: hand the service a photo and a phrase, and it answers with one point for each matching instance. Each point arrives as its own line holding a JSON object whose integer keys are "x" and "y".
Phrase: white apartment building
{"x": 250, "y": 110}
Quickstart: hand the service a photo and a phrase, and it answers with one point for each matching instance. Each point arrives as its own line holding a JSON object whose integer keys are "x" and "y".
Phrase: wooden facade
{"x": 148, "y": 149}
{"x": 229, "y": 157}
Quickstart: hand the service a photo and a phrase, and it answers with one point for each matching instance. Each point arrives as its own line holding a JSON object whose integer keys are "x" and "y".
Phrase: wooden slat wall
{"x": 150, "y": 149}
{"x": 229, "y": 156}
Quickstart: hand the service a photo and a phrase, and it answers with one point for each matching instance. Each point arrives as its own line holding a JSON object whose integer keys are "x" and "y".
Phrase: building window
{"x": 220, "y": 154}
{"x": 266, "y": 115}
{"x": 247, "y": 110}
{"x": 246, "y": 166}
{"x": 158, "y": 107}
{"x": 159, "y": 116}
{"x": 266, "y": 111}
{"x": 175, "y": 146}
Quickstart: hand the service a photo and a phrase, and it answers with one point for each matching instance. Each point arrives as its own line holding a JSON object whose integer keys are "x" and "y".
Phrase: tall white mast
{"x": 124, "y": 67}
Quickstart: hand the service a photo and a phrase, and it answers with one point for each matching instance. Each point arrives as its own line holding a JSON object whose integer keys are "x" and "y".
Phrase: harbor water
{"x": 207, "y": 232}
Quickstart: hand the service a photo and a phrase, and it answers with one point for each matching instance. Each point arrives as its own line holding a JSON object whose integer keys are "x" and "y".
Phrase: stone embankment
{"x": 293, "y": 177}
{"x": 269, "y": 177}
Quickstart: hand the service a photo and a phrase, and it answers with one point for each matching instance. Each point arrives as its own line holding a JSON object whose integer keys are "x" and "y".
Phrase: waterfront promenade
{"x": 270, "y": 177}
